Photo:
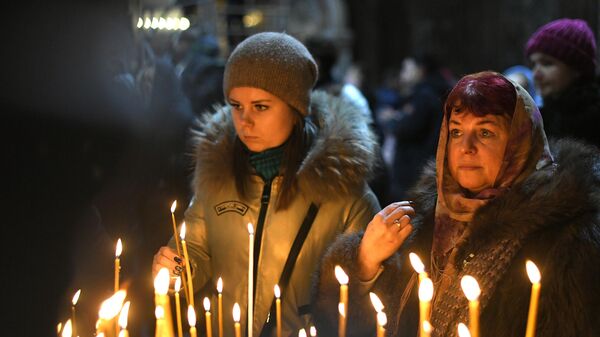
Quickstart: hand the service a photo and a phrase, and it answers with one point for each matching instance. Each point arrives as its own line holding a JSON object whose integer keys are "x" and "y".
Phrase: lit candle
{"x": 381, "y": 322}
{"x": 250, "y": 278}
{"x": 426, "y": 328}
{"x": 463, "y": 331}
{"x": 118, "y": 251}
{"x": 343, "y": 306}
{"x": 472, "y": 291}
{"x": 74, "y": 302}
{"x": 418, "y": 265}
{"x": 192, "y": 321}
{"x": 278, "y": 309}
{"x": 236, "y": 320}
{"x": 220, "y": 305}
{"x": 187, "y": 266}
{"x": 208, "y": 317}
{"x": 58, "y": 328}
{"x": 342, "y": 322}
{"x": 425, "y": 296}
{"x": 377, "y": 304}
{"x": 159, "y": 312}
{"x": 301, "y": 333}
{"x": 534, "y": 276}
{"x": 161, "y": 289}
{"x": 313, "y": 331}
{"x": 109, "y": 309}
{"x": 177, "y": 287}
{"x": 123, "y": 320}
{"x": 177, "y": 245}
{"x": 67, "y": 331}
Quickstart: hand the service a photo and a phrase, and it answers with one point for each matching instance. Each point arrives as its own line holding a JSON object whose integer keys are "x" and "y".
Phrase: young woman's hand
{"x": 167, "y": 258}
{"x": 383, "y": 236}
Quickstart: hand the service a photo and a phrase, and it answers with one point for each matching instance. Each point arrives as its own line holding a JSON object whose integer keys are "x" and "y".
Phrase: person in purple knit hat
{"x": 563, "y": 58}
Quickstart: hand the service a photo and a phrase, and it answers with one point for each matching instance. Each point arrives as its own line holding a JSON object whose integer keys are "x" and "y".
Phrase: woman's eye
{"x": 260, "y": 107}
{"x": 486, "y": 133}
{"x": 454, "y": 133}
{"x": 235, "y": 106}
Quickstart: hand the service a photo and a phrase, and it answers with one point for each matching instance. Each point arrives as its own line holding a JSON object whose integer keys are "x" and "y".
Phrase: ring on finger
{"x": 397, "y": 222}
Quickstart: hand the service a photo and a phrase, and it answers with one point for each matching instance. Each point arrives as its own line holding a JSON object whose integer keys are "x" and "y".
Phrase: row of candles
{"x": 115, "y": 305}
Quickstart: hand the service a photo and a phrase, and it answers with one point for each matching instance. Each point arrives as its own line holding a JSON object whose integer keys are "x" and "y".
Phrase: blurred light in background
{"x": 161, "y": 23}
{"x": 253, "y": 18}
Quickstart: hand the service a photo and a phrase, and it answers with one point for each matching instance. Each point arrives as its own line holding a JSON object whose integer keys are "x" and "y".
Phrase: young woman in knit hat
{"x": 497, "y": 195}
{"x": 293, "y": 163}
{"x": 563, "y": 58}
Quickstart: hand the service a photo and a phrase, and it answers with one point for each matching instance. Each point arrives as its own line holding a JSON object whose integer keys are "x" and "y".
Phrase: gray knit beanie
{"x": 274, "y": 62}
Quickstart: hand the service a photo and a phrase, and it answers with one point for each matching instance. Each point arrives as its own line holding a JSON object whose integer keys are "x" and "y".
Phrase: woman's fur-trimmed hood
{"x": 342, "y": 156}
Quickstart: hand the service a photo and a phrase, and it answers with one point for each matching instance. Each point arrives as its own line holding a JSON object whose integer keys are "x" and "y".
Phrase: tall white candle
{"x": 250, "y": 277}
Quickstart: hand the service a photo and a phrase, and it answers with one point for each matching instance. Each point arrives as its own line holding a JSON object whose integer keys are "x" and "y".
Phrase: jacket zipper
{"x": 264, "y": 205}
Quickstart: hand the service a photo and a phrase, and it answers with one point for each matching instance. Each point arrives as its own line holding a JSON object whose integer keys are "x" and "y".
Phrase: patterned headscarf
{"x": 526, "y": 151}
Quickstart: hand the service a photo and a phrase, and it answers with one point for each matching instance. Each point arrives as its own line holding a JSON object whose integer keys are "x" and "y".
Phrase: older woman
{"x": 496, "y": 197}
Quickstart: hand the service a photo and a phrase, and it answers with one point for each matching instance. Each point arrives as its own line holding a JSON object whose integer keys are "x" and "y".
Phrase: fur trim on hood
{"x": 342, "y": 156}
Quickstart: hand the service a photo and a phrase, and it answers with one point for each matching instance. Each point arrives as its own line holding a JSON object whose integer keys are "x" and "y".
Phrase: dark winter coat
{"x": 553, "y": 216}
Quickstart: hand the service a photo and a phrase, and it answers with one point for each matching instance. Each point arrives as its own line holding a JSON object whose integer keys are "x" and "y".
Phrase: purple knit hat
{"x": 569, "y": 40}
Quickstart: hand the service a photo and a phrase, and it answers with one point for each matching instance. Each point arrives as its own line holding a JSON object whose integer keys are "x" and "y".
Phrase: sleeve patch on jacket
{"x": 231, "y": 206}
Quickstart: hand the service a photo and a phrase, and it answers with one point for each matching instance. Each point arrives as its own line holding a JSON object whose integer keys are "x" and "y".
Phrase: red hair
{"x": 482, "y": 93}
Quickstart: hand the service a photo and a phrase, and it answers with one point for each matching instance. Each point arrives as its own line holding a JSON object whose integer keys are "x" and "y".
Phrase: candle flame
{"x": 76, "y": 297}
{"x": 376, "y": 302}
{"x": 427, "y": 327}
{"x": 416, "y": 263}
{"x": 161, "y": 282}
{"x": 313, "y": 331}
{"x": 470, "y": 287}
{"x": 58, "y": 327}
{"x": 159, "y": 312}
{"x": 119, "y": 248}
{"x": 98, "y": 322}
{"x": 68, "y": 329}
{"x": 191, "y": 315}
{"x": 206, "y": 304}
{"x": 177, "y": 285}
{"x": 220, "y": 285}
{"x": 342, "y": 309}
{"x": 250, "y": 229}
{"x": 101, "y": 334}
{"x": 236, "y": 313}
{"x": 173, "y": 206}
{"x": 182, "y": 231}
{"x": 426, "y": 289}
{"x": 124, "y": 314}
{"x": 302, "y": 333}
{"x": 122, "y": 333}
{"x": 111, "y": 306}
{"x": 277, "y": 291}
{"x": 341, "y": 276}
{"x": 463, "y": 331}
{"x": 533, "y": 272}
{"x": 381, "y": 318}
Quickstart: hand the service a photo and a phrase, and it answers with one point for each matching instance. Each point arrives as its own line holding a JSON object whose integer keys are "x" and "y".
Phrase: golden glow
{"x": 58, "y": 327}
{"x": 101, "y": 334}
{"x": 177, "y": 285}
{"x": 253, "y": 18}
{"x": 236, "y": 313}
{"x": 277, "y": 291}
{"x": 250, "y": 229}
{"x": 182, "y": 231}
{"x": 376, "y": 302}
{"x": 76, "y": 297}
{"x": 124, "y": 315}
{"x": 341, "y": 276}
{"x": 470, "y": 287}
{"x": 341, "y": 309}
{"x": 220, "y": 285}
{"x": 161, "y": 282}
{"x": 123, "y": 333}
{"x": 140, "y": 22}
{"x": 426, "y": 289}
{"x": 463, "y": 331}
{"x": 533, "y": 272}
{"x": 184, "y": 23}
{"x": 111, "y": 306}
{"x": 173, "y": 206}
{"x": 159, "y": 312}
{"x": 68, "y": 330}
{"x": 206, "y": 304}
{"x": 381, "y": 318}
{"x": 313, "y": 331}
{"x": 427, "y": 327}
{"x": 302, "y": 333}
{"x": 416, "y": 263}
{"x": 191, "y": 316}
{"x": 119, "y": 248}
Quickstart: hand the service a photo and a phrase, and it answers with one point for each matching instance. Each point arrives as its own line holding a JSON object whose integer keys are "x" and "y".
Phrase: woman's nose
{"x": 468, "y": 144}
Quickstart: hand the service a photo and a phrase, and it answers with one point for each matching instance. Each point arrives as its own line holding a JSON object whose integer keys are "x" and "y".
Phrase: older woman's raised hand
{"x": 383, "y": 236}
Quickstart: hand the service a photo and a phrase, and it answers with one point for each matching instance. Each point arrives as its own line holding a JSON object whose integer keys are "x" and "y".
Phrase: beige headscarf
{"x": 526, "y": 151}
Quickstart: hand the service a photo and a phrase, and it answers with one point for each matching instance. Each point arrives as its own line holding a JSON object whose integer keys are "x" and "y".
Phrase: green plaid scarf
{"x": 267, "y": 163}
